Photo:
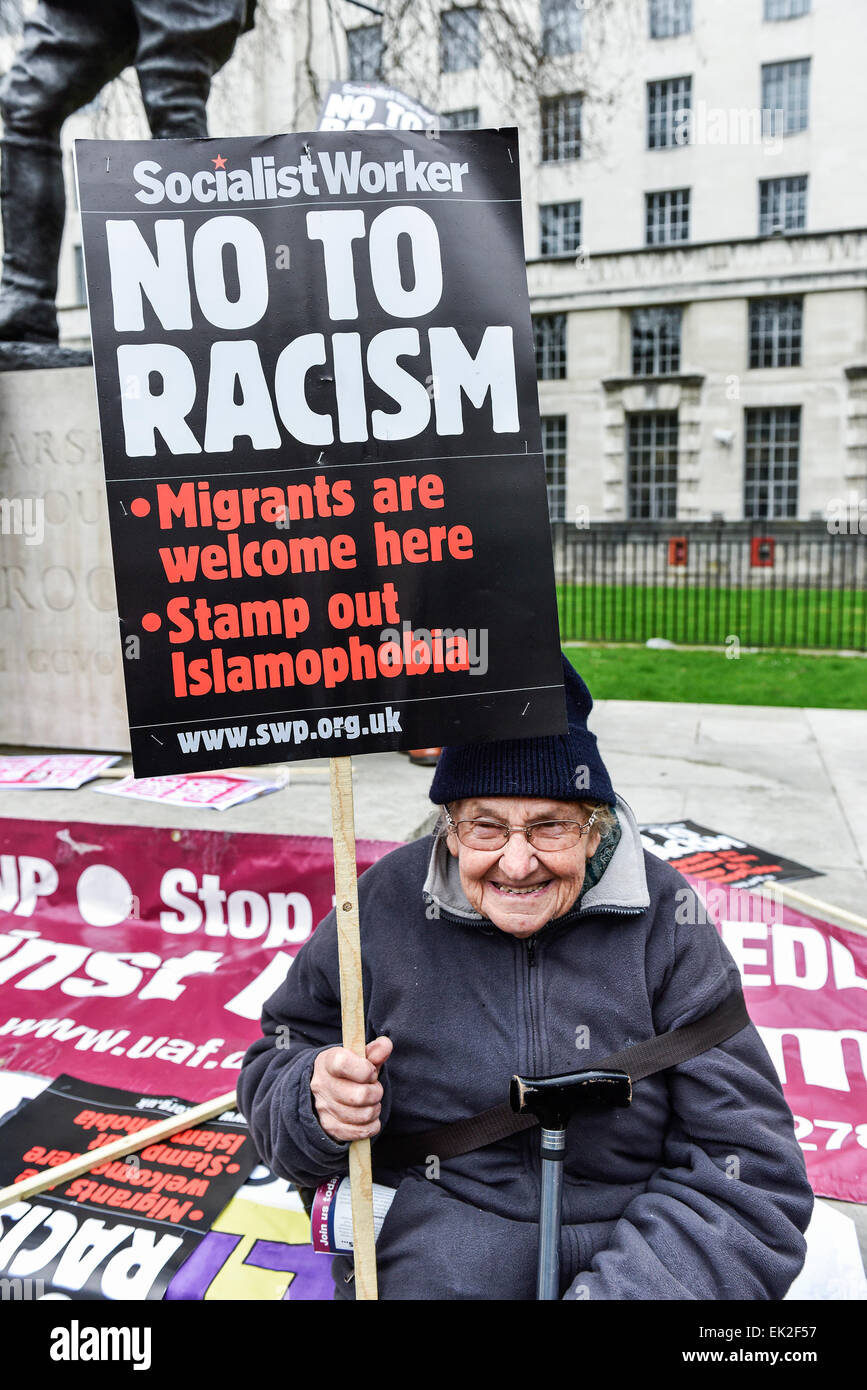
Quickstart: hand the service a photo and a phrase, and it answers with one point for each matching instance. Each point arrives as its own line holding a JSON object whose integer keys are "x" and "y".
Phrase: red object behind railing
{"x": 761, "y": 551}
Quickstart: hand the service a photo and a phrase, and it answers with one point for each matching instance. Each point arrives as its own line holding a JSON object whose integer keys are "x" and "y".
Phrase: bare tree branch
{"x": 309, "y": 38}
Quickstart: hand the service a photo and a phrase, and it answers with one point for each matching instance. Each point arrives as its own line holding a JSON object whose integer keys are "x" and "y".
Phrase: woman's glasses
{"x": 545, "y": 835}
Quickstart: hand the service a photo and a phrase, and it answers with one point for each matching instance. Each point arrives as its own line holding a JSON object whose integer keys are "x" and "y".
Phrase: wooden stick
{"x": 352, "y": 1014}
{"x": 783, "y": 889}
{"x": 74, "y": 1167}
{"x": 241, "y": 771}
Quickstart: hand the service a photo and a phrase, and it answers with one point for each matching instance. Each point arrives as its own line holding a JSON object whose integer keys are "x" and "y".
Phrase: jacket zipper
{"x": 531, "y": 963}
{"x": 531, "y": 1139}
{"x": 609, "y": 912}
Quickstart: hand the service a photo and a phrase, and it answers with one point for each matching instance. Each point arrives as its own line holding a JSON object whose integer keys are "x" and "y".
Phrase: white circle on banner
{"x": 104, "y": 896}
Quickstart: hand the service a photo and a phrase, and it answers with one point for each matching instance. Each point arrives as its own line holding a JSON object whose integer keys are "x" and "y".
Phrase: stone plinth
{"x": 61, "y": 682}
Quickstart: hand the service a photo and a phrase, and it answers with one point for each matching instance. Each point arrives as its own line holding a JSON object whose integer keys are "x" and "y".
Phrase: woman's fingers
{"x": 346, "y": 1094}
{"x": 379, "y": 1051}
{"x": 349, "y": 1093}
{"x": 349, "y": 1134}
{"x": 353, "y": 1114}
{"x": 340, "y": 1062}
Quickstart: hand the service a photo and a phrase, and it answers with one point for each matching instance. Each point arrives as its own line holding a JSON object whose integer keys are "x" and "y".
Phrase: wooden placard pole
{"x": 814, "y": 905}
{"x": 74, "y": 1167}
{"x": 352, "y": 1013}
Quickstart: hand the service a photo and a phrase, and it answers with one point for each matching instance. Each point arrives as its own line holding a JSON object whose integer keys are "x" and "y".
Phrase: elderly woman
{"x": 532, "y": 934}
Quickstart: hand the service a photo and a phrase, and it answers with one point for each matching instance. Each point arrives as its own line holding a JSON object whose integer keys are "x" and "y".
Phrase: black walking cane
{"x": 554, "y": 1100}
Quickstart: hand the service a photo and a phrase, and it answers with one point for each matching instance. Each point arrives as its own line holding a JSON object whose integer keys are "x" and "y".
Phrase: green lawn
{"x": 754, "y": 678}
{"x": 759, "y": 617}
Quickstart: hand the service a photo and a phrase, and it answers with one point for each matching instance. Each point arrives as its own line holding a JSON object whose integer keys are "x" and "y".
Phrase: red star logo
{"x": 219, "y": 162}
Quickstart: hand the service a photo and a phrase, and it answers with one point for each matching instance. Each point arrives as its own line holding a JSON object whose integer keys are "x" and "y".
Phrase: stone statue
{"x": 69, "y": 51}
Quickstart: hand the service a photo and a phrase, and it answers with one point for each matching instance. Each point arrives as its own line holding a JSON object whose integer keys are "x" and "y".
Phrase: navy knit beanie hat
{"x": 559, "y": 767}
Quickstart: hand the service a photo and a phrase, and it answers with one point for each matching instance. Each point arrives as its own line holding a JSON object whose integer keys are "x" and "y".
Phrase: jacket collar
{"x": 622, "y": 887}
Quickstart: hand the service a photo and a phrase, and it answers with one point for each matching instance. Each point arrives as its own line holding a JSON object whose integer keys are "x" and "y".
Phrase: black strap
{"x": 641, "y": 1060}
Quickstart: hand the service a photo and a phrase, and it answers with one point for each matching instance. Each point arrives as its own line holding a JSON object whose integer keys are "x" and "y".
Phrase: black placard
{"x": 716, "y": 857}
{"x": 317, "y": 393}
{"x": 123, "y": 1229}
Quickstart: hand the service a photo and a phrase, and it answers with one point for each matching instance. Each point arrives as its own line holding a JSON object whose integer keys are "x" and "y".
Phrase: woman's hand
{"x": 346, "y": 1091}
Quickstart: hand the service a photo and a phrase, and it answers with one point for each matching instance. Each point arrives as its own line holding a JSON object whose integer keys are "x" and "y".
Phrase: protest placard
{"x": 52, "y": 771}
{"x": 317, "y": 393}
{"x": 217, "y": 791}
{"x": 714, "y": 857}
{"x": 121, "y": 1230}
{"x": 373, "y": 106}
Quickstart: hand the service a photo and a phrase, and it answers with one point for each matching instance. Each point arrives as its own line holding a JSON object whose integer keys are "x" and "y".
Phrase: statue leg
{"x": 64, "y": 61}
{"x": 181, "y": 45}
{"x": 33, "y": 206}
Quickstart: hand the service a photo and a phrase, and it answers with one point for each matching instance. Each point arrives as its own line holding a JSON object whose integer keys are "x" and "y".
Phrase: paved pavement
{"x": 790, "y": 780}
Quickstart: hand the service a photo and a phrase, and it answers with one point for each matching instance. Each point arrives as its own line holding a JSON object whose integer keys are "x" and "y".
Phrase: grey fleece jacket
{"x": 698, "y": 1190}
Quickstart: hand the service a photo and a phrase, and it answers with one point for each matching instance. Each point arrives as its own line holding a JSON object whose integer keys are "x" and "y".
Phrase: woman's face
{"x": 520, "y": 888}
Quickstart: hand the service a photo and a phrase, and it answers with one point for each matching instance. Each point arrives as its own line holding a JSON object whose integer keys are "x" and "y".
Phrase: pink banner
{"x": 804, "y": 984}
{"x": 141, "y": 958}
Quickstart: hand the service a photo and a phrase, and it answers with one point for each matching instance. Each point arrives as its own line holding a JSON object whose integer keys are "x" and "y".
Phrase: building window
{"x": 561, "y": 128}
{"x": 459, "y": 39}
{"x": 668, "y": 18}
{"x": 782, "y": 205}
{"x": 786, "y": 9}
{"x": 656, "y": 341}
{"x": 554, "y": 446}
{"x": 78, "y": 267}
{"x": 786, "y": 88}
{"x": 667, "y": 217}
{"x": 549, "y": 331}
{"x": 365, "y": 53}
{"x": 561, "y": 27}
{"x": 651, "y": 468}
{"x": 467, "y": 118}
{"x": 771, "y": 462}
{"x": 559, "y": 229}
{"x": 775, "y": 332}
{"x": 668, "y": 104}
